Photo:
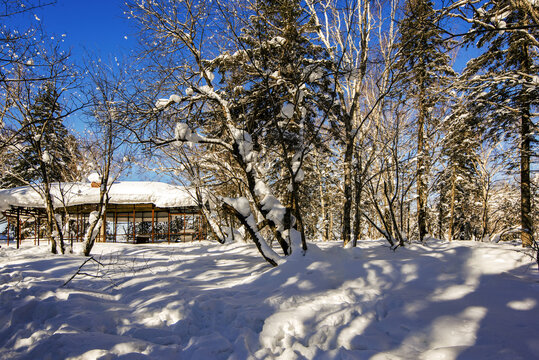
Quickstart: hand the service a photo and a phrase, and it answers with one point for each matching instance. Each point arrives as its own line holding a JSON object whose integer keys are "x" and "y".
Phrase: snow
{"x": 46, "y": 157}
{"x": 123, "y": 192}
{"x": 244, "y": 141}
{"x": 287, "y": 111}
{"x": 94, "y": 177}
{"x": 182, "y": 132}
{"x": 316, "y": 75}
{"x": 276, "y": 211}
{"x": 462, "y": 300}
{"x": 240, "y": 204}
{"x": 162, "y": 103}
{"x": 209, "y": 75}
{"x": 277, "y": 41}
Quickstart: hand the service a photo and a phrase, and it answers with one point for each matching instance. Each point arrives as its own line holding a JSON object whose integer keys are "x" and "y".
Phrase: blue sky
{"x": 97, "y": 26}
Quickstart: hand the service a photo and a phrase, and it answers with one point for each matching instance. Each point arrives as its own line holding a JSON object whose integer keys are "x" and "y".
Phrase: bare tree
{"x": 347, "y": 32}
{"x": 108, "y": 98}
{"x": 36, "y": 100}
{"x": 13, "y": 7}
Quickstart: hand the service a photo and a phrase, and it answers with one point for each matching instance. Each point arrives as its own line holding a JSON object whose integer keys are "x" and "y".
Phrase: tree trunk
{"x": 347, "y": 206}
{"x": 484, "y": 218}
{"x": 251, "y": 186}
{"x": 441, "y": 216}
{"x": 357, "y": 219}
{"x": 296, "y": 210}
{"x": 323, "y": 215}
{"x": 52, "y": 223}
{"x": 525, "y": 152}
{"x": 525, "y": 184}
{"x": 452, "y": 204}
{"x": 248, "y": 222}
{"x": 421, "y": 164}
{"x": 330, "y": 227}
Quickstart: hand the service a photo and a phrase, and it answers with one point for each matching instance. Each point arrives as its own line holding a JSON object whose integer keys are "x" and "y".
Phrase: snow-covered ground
{"x": 459, "y": 300}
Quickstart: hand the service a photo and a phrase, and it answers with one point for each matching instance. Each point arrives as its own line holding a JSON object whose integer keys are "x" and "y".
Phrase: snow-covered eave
{"x": 161, "y": 195}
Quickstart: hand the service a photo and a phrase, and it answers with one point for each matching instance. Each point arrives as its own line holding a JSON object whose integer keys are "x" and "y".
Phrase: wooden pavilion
{"x": 137, "y": 212}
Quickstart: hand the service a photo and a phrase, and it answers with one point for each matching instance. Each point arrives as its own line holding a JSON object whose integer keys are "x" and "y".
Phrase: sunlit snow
{"x": 209, "y": 301}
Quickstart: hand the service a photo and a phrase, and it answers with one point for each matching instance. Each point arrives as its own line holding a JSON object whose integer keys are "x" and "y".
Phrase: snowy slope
{"x": 204, "y": 301}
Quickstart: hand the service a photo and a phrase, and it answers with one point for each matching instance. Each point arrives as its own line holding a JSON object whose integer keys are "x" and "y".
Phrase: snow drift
{"x": 439, "y": 301}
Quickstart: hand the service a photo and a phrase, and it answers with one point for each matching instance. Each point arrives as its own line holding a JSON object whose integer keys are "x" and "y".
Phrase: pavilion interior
{"x": 133, "y": 223}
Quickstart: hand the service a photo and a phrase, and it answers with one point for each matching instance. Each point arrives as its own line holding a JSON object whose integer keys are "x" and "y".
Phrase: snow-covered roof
{"x": 123, "y": 192}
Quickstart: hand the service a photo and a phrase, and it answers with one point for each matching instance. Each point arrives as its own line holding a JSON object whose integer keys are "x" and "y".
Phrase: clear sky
{"x": 91, "y": 27}
{"x": 97, "y": 26}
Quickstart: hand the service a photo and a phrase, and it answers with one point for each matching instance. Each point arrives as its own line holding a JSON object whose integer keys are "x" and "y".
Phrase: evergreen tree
{"x": 503, "y": 86}
{"x": 43, "y": 139}
{"x": 425, "y": 69}
{"x": 459, "y": 146}
{"x": 252, "y": 112}
{"x": 279, "y": 87}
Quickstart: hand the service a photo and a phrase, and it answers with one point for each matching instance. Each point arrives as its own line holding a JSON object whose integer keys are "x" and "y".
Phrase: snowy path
{"x": 190, "y": 301}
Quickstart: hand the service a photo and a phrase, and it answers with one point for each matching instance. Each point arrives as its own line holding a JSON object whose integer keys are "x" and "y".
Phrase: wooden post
{"x": 77, "y": 231}
{"x": 8, "y": 225}
{"x": 38, "y": 226}
{"x": 184, "y": 228}
{"x": 197, "y": 217}
{"x": 153, "y": 223}
{"x": 35, "y": 231}
{"x": 134, "y": 232}
{"x": 169, "y": 226}
{"x": 115, "y": 225}
{"x": 18, "y": 228}
{"x": 200, "y": 227}
{"x": 104, "y": 228}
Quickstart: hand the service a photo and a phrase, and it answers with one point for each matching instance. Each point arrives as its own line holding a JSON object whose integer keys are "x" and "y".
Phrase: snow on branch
{"x": 241, "y": 208}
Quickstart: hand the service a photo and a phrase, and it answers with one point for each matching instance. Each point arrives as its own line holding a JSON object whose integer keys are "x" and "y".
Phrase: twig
{"x": 78, "y": 272}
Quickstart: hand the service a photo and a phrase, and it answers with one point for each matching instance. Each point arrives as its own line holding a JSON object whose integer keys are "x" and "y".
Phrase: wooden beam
{"x": 153, "y": 224}
{"x": 104, "y": 227}
{"x": 115, "y": 226}
{"x": 18, "y": 229}
{"x": 169, "y": 226}
{"x": 199, "y": 228}
{"x": 134, "y": 232}
{"x": 78, "y": 230}
{"x": 184, "y": 227}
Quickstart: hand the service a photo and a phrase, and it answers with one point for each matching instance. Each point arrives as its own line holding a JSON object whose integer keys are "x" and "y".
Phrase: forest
{"x": 300, "y": 121}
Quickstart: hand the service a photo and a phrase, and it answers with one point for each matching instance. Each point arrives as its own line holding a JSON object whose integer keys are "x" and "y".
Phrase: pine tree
{"x": 425, "y": 68}
{"x": 283, "y": 96}
{"x": 273, "y": 85}
{"x": 43, "y": 139}
{"x": 257, "y": 112}
{"x": 503, "y": 85}
{"x": 460, "y": 191}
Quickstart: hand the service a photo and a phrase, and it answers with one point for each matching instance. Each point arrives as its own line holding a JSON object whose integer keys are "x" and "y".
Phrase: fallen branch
{"x": 79, "y": 272}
